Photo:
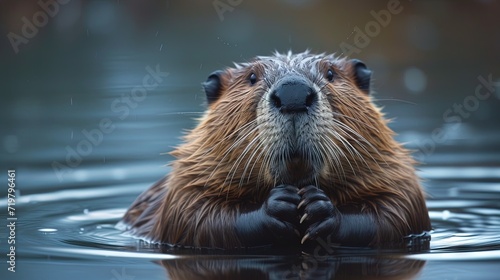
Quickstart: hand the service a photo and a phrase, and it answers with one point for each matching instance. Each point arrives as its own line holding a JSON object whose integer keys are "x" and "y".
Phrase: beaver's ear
{"x": 212, "y": 86}
{"x": 362, "y": 74}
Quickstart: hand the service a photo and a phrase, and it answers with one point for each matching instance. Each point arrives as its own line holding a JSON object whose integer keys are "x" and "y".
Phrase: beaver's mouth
{"x": 297, "y": 170}
{"x": 299, "y": 160}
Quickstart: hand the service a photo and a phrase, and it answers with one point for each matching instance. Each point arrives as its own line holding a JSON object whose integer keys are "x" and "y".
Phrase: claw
{"x": 297, "y": 233}
{"x": 304, "y": 217}
{"x": 302, "y": 191}
{"x": 301, "y": 203}
{"x": 304, "y": 239}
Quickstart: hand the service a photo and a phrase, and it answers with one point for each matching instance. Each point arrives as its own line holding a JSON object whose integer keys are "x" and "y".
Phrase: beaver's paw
{"x": 319, "y": 215}
{"x": 282, "y": 212}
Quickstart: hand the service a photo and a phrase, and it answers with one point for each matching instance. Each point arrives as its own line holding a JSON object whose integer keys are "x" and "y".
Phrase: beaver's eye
{"x": 329, "y": 75}
{"x": 252, "y": 78}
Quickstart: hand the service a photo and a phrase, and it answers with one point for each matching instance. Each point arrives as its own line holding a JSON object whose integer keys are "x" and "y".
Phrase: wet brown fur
{"x": 197, "y": 204}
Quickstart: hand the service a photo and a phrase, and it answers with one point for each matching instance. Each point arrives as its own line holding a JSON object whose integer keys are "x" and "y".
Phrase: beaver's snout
{"x": 293, "y": 95}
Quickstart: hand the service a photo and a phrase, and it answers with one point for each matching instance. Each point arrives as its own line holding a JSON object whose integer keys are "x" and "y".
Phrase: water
{"x": 73, "y": 78}
{"x": 65, "y": 231}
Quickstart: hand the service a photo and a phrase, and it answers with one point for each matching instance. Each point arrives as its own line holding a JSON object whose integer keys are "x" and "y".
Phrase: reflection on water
{"x": 348, "y": 267}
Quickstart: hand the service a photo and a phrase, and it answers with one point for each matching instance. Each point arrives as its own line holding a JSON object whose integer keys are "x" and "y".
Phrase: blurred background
{"x": 67, "y": 65}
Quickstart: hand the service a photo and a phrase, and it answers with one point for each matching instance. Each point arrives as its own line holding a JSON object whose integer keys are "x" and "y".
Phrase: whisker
{"x": 334, "y": 150}
{"x": 181, "y": 113}
{"x": 240, "y": 158}
{"x": 346, "y": 128}
{"x": 350, "y": 149}
{"x": 266, "y": 162}
{"x": 349, "y": 146}
{"x": 355, "y": 120}
{"x": 230, "y": 148}
{"x": 260, "y": 155}
{"x": 249, "y": 161}
{"x": 222, "y": 141}
{"x": 395, "y": 99}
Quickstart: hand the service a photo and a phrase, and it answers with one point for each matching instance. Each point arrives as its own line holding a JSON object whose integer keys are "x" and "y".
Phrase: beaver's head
{"x": 295, "y": 119}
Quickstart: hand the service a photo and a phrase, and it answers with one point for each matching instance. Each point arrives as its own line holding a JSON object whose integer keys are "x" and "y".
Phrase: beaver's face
{"x": 294, "y": 118}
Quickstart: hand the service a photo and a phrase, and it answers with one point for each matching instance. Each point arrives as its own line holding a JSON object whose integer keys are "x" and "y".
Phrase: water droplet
{"x": 446, "y": 215}
{"x": 415, "y": 80}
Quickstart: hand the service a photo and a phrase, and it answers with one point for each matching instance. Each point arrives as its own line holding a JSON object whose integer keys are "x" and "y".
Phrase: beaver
{"x": 291, "y": 150}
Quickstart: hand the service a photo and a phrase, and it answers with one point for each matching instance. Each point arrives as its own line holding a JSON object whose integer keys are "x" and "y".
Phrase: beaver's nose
{"x": 293, "y": 95}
